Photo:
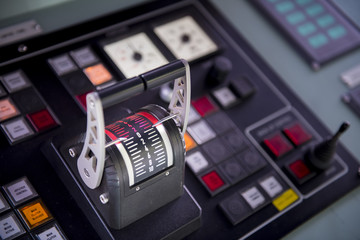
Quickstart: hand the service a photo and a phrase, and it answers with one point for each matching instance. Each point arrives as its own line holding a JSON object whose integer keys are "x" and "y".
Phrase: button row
{"x": 25, "y": 208}
{"x": 23, "y": 112}
{"x": 282, "y": 142}
{"x": 81, "y": 72}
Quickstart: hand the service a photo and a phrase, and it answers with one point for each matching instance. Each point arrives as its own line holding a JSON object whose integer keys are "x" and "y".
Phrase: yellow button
{"x": 35, "y": 214}
{"x": 97, "y": 74}
{"x": 285, "y": 199}
{"x": 189, "y": 142}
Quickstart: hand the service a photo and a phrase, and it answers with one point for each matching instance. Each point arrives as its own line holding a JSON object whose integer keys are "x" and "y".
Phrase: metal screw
{"x": 104, "y": 198}
{"x": 137, "y": 188}
{"x": 22, "y": 48}
{"x": 87, "y": 174}
{"x": 167, "y": 173}
{"x": 72, "y": 152}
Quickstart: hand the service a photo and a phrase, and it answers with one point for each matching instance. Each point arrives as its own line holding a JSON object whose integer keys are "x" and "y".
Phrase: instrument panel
{"x": 247, "y": 170}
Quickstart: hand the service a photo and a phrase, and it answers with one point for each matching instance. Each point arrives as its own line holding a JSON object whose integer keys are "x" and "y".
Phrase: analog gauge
{"x": 135, "y": 55}
{"x": 185, "y": 38}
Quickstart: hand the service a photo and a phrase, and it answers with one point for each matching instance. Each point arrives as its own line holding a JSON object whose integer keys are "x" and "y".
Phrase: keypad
{"x": 315, "y": 26}
{"x": 23, "y": 214}
{"x": 23, "y": 112}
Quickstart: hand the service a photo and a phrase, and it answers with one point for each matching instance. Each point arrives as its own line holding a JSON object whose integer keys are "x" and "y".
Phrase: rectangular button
{"x": 20, "y": 191}
{"x": 253, "y": 197}
{"x": 7, "y": 109}
{"x": 42, "y": 120}
{"x": 35, "y": 214}
{"x": 271, "y": 186}
{"x": 300, "y": 171}
{"x": 251, "y": 160}
{"x": 62, "y": 64}
{"x": 193, "y": 115}
{"x": 189, "y": 142}
{"x": 17, "y": 129}
{"x": 233, "y": 170}
{"x": 213, "y": 181}
{"x": 50, "y": 233}
{"x": 84, "y": 57}
{"x": 217, "y": 150}
{"x": 15, "y": 81}
{"x": 220, "y": 122}
{"x": 285, "y": 199}
{"x": 98, "y": 74}
{"x": 201, "y": 132}
{"x": 235, "y": 208}
{"x": 297, "y": 134}
{"x": 3, "y": 204}
{"x": 197, "y": 162}
{"x": 204, "y": 106}
{"x": 28, "y": 100}
{"x": 278, "y": 145}
{"x": 225, "y": 97}
{"x": 10, "y": 227}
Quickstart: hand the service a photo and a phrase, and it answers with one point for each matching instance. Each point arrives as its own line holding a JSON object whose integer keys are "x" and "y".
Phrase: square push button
{"x": 7, "y": 109}
{"x": 253, "y": 197}
{"x": 277, "y": 145}
{"x": 300, "y": 171}
{"x": 62, "y": 64}
{"x": 297, "y": 134}
{"x": 15, "y": 81}
{"x": 235, "y": 208}
{"x": 225, "y": 97}
{"x": 35, "y": 214}
{"x": 189, "y": 142}
{"x": 217, "y": 150}
{"x": 213, "y": 181}
{"x": 98, "y": 74}
{"x": 204, "y": 106}
{"x": 20, "y": 191}
{"x": 42, "y": 120}
{"x": 17, "y": 129}
{"x": 193, "y": 115}
{"x": 271, "y": 186}
{"x": 233, "y": 170}
{"x": 201, "y": 132}
{"x": 220, "y": 122}
{"x": 10, "y": 227}
{"x": 3, "y": 204}
{"x": 84, "y": 57}
{"x": 197, "y": 162}
{"x": 50, "y": 233}
{"x": 235, "y": 140}
{"x": 251, "y": 160}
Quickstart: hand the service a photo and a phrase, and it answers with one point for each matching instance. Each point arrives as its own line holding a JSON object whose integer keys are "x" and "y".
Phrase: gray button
{"x": 15, "y": 81}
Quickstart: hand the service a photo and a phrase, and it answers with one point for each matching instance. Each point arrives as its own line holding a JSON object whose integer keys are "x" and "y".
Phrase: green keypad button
{"x": 318, "y": 40}
{"x": 314, "y": 10}
{"x": 325, "y": 21}
{"x": 337, "y": 32}
{"x": 306, "y": 29}
{"x": 303, "y": 2}
{"x": 295, "y": 18}
{"x": 285, "y": 7}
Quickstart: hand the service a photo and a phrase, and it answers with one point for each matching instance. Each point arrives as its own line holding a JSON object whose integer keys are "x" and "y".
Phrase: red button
{"x": 297, "y": 134}
{"x": 204, "y": 106}
{"x": 42, "y": 120}
{"x": 299, "y": 169}
{"x": 82, "y": 99}
{"x": 213, "y": 181}
{"x": 278, "y": 145}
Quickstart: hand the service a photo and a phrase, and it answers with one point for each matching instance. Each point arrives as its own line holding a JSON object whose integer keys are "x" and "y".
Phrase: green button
{"x": 325, "y": 21}
{"x": 314, "y": 10}
{"x": 303, "y": 2}
{"x": 284, "y": 7}
{"x": 318, "y": 40}
{"x": 295, "y": 18}
{"x": 306, "y": 29}
{"x": 337, "y": 32}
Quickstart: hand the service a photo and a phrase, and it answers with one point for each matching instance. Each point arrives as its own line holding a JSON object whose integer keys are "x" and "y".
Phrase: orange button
{"x": 35, "y": 214}
{"x": 7, "y": 109}
{"x": 98, "y": 74}
{"x": 189, "y": 142}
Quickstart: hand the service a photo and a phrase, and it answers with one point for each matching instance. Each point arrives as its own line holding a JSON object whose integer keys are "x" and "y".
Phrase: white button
{"x": 271, "y": 186}
{"x": 196, "y": 161}
{"x": 62, "y": 64}
{"x": 50, "y": 234}
{"x": 84, "y": 57}
{"x": 253, "y": 197}
{"x": 3, "y": 204}
{"x": 20, "y": 190}
{"x": 10, "y": 227}
{"x": 15, "y": 81}
{"x": 225, "y": 96}
{"x": 193, "y": 116}
{"x": 17, "y": 129}
{"x": 201, "y": 132}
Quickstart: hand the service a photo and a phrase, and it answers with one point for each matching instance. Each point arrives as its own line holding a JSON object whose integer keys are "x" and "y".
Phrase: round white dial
{"x": 135, "y": 55}
{"x": 185, "y": 38}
